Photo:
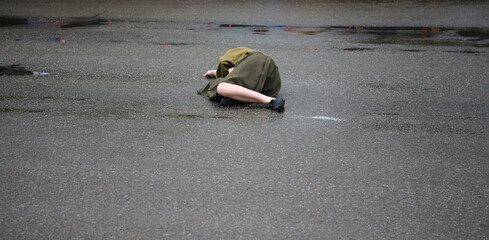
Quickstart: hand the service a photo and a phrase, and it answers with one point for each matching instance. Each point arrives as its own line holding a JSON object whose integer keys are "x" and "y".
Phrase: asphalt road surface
{"x": 384, "y": 134}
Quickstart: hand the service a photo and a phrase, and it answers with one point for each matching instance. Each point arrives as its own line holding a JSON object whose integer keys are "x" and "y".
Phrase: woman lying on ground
{"x": 245, "y": 75}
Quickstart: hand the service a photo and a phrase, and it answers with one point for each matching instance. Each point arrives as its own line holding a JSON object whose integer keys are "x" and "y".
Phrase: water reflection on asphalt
{"x": 406, "y": 35}
{"x": 403, "y": 35}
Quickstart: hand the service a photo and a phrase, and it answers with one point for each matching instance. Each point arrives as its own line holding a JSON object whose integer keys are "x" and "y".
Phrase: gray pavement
{"x": 384, "y": 134}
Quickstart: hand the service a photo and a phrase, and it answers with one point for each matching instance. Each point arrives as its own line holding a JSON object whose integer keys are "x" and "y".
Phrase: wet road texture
{"x": 384, "y": 135}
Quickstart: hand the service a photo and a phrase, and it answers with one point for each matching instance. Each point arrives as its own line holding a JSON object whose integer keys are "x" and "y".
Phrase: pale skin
{"x": 237, "y": 92}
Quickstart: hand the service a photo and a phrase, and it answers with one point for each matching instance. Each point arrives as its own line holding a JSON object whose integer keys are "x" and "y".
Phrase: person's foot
{"x": 277, "y": 104}
{"x": 226, "y": 102}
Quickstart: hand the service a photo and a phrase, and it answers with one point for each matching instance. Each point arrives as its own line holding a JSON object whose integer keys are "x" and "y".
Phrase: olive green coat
{"x": 252, "y": 69}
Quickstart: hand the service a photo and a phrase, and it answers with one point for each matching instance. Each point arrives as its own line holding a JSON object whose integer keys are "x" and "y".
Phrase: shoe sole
{"x": 281, "y": 108}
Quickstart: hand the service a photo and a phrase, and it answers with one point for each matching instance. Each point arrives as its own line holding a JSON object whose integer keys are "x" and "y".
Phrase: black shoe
{"x": 277, "y": 104}
{"x": 226, "y": 102}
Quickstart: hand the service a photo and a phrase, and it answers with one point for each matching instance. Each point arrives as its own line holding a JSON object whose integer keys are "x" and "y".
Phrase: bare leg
{"x": 241, "y": 94}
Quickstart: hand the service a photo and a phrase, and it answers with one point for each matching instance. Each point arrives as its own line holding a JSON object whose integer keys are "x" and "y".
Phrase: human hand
{"x": 230, "y": 70}
{"x": 210, "y": 74}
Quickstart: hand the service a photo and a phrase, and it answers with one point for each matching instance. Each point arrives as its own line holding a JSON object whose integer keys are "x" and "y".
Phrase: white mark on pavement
{"x": 324, "y": 118}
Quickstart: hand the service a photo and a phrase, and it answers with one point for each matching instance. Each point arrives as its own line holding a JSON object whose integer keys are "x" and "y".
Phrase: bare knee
{"x": 223, "y": 89}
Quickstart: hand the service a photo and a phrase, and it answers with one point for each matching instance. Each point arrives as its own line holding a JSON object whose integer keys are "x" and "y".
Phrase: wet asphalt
{"x": 384, "y": 135}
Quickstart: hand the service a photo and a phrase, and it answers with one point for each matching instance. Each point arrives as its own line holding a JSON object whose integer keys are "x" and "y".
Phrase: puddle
{"x": 242, "y": 26}
{"x": 463, "y": 51}
{"x": 404, "y": 35}
{"x": 84, "y": 22}
{"x": 470, "y": 52}
{"x": 18, "y": 70}
{"x": 171, "y": 44}
{"x": 413, "y": 50}
{"x": 399, "y": 32}
{"x": 15, "y": 70}
{"x": 262, "y": 29}
{"x": 357, "y": 49}
{"x": 18, "y": 110}
{"x": 256, "y": 29}
{"x": 45, "y": 23}
{"x": 305, "y": 30}
{"x": 12, "y": 21}
{"x": 429, "y": 36}
{"x": 476, "y": 33}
